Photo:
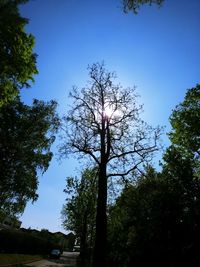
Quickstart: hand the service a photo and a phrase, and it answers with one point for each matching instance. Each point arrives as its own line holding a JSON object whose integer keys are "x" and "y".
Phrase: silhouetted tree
{"x": 26, "y": 135}
{"x": 104, "y": 124}
{"x": 17, "y": 60}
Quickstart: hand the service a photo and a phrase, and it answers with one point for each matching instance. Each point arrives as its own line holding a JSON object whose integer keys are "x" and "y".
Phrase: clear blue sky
{"x": 156, "y": 50}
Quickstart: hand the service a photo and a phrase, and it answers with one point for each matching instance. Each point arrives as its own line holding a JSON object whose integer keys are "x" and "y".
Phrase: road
{"x": 67, "y": 259}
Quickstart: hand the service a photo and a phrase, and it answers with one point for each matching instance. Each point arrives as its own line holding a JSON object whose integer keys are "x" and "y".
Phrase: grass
{"x": 6, "y": 259}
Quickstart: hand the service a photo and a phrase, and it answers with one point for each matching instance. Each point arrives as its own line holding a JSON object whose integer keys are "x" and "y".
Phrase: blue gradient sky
{"x": 156, "y": 50}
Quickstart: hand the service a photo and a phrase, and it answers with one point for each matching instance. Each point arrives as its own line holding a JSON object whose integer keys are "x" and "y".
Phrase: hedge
{"x": 14, "y": 241}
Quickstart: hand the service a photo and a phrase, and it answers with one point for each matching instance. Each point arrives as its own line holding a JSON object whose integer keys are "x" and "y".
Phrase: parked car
{"x": 55, "y": 254}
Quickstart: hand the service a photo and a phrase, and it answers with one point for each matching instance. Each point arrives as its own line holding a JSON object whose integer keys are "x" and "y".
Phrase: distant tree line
{"x": 31, "y": 241}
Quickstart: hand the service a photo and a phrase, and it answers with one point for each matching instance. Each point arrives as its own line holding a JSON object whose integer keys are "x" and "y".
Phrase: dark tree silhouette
{"x": 104, "y": 123}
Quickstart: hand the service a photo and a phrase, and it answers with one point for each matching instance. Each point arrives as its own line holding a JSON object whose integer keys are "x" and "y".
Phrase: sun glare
{"x": 110, "y": 112}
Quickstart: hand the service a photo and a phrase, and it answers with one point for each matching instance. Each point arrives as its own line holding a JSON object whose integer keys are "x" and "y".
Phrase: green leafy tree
{"x": 26, "y": 135}
{"x": 80, "y": 209}
{"x": 134, "y": 5}
{"x": 185, "y": 121}
{"x": 181, "y": 173}
{"x": 156, "y": 221}
{"x": 104, "y": 124}
{"x": 17, "y": 60}
{"x": 135, "y": 223}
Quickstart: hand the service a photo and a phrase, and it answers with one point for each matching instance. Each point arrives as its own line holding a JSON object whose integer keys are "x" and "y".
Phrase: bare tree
{"x": 104, "y": 123}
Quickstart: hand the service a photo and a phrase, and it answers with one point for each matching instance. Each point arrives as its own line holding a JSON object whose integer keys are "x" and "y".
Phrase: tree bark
{"x": 100, "y": 249}
{"x": 83, "y": 244}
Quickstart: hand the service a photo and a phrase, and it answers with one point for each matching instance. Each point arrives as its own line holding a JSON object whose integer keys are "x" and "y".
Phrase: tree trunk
{"x": 83, "y": 243}
{"x": 100, "y": 251}
{"x": 99, "y": 257}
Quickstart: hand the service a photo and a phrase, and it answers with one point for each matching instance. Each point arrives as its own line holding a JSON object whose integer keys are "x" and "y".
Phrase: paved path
{"x": 68, "y": 259}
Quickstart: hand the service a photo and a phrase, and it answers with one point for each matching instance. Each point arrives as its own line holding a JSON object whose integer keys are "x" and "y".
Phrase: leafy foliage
{"x": 185, "y": 121}
{"x": 26, "y": 134}
{"x": 134, "y": 5}
{"x": 16, "y": 241}
{"x": 156, "y": 221}
{"x": 17, "y": 60}
{"x": 133, "y": 224}
{"x": 81, "y": 200}
{"x": 79, "y": 212}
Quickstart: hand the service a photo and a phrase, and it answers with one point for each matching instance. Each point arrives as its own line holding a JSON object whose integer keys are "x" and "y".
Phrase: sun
{"x": 111, "y": 112}
{"x": 108, "y": 112}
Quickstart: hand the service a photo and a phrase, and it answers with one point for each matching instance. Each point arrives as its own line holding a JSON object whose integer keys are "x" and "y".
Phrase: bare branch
{"x": 86, "y": 151}
{"x": 127, "y": 172}
{"x": 127, "y": 139}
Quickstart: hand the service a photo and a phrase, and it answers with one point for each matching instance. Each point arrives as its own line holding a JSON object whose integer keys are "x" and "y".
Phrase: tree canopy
{"x": 17, "y": 59}
{"x": 156, "y": 220}
{"x": 26, "y": 135}
{"x": 105, "y": 111}
{"x": 185, "y": 121}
